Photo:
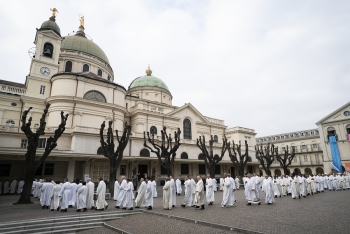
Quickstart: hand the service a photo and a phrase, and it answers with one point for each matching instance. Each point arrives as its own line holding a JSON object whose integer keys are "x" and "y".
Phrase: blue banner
{"x": 335, "y": 153}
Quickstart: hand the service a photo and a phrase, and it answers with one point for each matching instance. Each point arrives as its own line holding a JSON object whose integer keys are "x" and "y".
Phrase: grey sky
{"x": 274, "y": 66}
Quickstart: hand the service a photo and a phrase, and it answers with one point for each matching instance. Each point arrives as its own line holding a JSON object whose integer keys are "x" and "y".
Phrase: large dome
{"x": 148, "y": 81}
{"x": 81, "y": 43}
{"x": 51, "y": 25}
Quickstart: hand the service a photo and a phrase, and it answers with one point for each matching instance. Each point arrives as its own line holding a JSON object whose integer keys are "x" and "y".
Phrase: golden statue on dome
{"x": 54, "y": 11}
{"x": 81, "y": 20}
{"x": 148, "y": 71}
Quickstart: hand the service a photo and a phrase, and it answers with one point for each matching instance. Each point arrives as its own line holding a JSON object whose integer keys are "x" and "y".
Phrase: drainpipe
{"x": 75, "y": 103}
{"x": 20, "y": 116}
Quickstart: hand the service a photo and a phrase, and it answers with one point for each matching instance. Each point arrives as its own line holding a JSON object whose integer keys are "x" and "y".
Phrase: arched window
{"x": 201, "y": 156}
{"x": 331, "y": 132}
{"x": 95, "y": 96}
{"x": 10, "y": 122}
{"x": 48, "y": 50}
{"x": 144, "y": 153}
{"x": 99, "y": 72}
{"x": 184, "y": 155}
{"x": 216, "y": 157}
{"x": 278, "y": 172}
{"x": 108, "y": 78}
{"x": 153, "y": 130}
{"x": 86, "y": 68}
{"x": 319, "y": 170}
{"x": 187, "y": 129}
{"x": 297, "y": 171}
{"x": 100, "y": 151}
{"x": 249, "y": 159}
{"x": 308, "y": 171}
{"x": 68, "y": 67}
{"x": 216, "y": 139}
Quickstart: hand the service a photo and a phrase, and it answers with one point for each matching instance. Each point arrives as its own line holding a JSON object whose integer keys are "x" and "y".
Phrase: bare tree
{"x": 286, "y": 159}
{"x": 238, "y": 159}
{"x": 210, "y": 160}
{"x": 115, "y": 157}
{"x": 266, "y": 155}
{"x": 33, "y": 140}
{"x": 166, "y": 151}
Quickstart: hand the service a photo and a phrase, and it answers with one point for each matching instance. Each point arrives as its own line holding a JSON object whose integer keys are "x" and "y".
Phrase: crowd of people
{"x": 82, "y": 196}
{"x": 14, "y": 187}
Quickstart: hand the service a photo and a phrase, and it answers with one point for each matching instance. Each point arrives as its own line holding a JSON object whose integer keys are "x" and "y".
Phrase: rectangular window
{"x": 24, "y": 143}
{"x": 305, "y": 158}
{"x": 295, "y": 159}
{"x": 201, "y": 169}
{"x": 283, "y": 149}
{"x": 42, "y": 143}
{"x": 185, "y": 169}
{"x": 123, "y": 169}
{"x": 250, "y": 169}
{"x": 49, "y": 167}
{"x": 42, "y": 89}
{"x": 317, "y": 159}
{"x": 217, "y": 169}
{"x": 39, "y": 171}
{"x": 163, "y": 171}
{"x": 275, "y": 160}
{"x": 295, "y": 148}
{"x": 314, "y": 146}
{"x": 303, "y": 146}
{"x": 5, "y": 169}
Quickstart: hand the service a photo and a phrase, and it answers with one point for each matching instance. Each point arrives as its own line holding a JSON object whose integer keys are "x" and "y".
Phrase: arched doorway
{"x": 319, "y": 170}
{"x": 307, "y": 171}
{"x": 270, "y": 174}
{"x": 297, "y": 171}
{"x": 288, "y": 172}
{"x": 260, "y": 173}
{"x": 278, "y": 172}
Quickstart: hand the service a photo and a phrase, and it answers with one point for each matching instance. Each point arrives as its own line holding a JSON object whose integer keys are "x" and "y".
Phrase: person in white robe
{"x": 141, "y": 193}
{"x": 308, "y": 180}
{"x": 167, "y": 195}
{"x": 314, "y": 183}
{"x": 276, "y": 187}
{"x": 321, "y": 178}
{"x": 188, "y": 193}
{"x": 347, "y": 181}
{"x": 46, "y": 190}
{"x": 221, "y": 186}
{"x": 13, "y": 186}
{"x": 81, "y": 197}
{"x": 90, "y": 204}
{"x": 296, "y": 187}
{"x": 283, "y": 184}
{"x": 20, "y": 186}
{"x": 303, "y": 186}
{"x": 341, "y": 182}
{"x": 128, "y": 201}
{"x": 237, "y": 183}
{"x": 233, "y": 188}
{"x": 268, "y": 189}
{"x": 122, "y": 190}
{"x": 249, "y": 189}
{"x": 6, "y": 187}
{"x": 215, "y": 186}
{"x": 256, "y": 186}
{"x": 199, "y": 198}
{"x": 73, "y": 187}
{"x": 178, "y": 186}
{"x": 193, "y": 191}
{"x": 154, "y": 188}
{"x": 116, "y": 190}
{"x": 173, "y": 189}
{"x": 101, "y": 203}
{"x": 148, "y": 195}
{"x": 289, "y": 181}
{"x": 209, "y": 192}
{"x": 55, "y": 200}
{"x": 226, "y": 196}
{"x": 331, "y": 185}
{"x": 317, "y": 181}
{"x": 38, "y": 188}
{"x": 65, "y": 195}
{"x": 325, "y": 181}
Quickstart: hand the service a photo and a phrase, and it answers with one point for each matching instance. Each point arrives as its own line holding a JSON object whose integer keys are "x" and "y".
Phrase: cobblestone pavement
{"x": 321, "y": 213}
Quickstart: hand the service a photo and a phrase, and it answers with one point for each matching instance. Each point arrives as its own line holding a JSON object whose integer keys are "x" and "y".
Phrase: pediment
{"x": 189, "y": 111}
{"x": 341, "y": 114}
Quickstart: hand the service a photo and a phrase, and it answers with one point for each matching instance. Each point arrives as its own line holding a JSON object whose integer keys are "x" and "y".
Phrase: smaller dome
{"x": 148, "y": 81}
{"x": 51, "y": 24}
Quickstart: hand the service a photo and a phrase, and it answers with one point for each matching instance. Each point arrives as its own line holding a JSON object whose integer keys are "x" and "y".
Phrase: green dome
{"x": 148, "y": 81}
{"x": 83, "y": 44}
{"x": 51, "y": 24}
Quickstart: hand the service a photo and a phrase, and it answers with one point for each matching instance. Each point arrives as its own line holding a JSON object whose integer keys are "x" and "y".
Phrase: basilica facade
{"x": 74, "y": 75}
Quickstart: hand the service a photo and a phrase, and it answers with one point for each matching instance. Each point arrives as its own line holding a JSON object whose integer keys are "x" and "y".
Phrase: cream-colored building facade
{"x": 74, "y": 75}
{"x": 308, "y": 150}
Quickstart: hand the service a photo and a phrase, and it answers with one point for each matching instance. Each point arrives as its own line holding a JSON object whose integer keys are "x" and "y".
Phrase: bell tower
{"x": 44, "y": 62}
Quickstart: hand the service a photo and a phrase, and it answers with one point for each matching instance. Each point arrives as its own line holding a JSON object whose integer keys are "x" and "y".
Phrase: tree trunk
{"x": 241, "y": 174}
{"x": 285, "y": 169}
{"x": 27, "y": 188}
{"x": 211, "y": 171}
{"x": 112, "y": 175}
{"x": 169, "y": 171}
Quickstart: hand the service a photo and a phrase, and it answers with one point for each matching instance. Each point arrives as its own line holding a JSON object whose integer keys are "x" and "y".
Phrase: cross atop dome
{"x": 148, "y": 71}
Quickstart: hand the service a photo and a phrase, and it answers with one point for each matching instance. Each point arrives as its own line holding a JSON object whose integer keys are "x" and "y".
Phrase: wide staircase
{"x": 63, "y": 224}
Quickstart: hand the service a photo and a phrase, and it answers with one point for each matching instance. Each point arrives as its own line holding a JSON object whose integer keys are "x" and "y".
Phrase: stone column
{"x": 71, "y": 169}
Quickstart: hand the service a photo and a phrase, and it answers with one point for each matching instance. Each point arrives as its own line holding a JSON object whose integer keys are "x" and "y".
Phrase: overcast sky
{"x": 273, "y": 66}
